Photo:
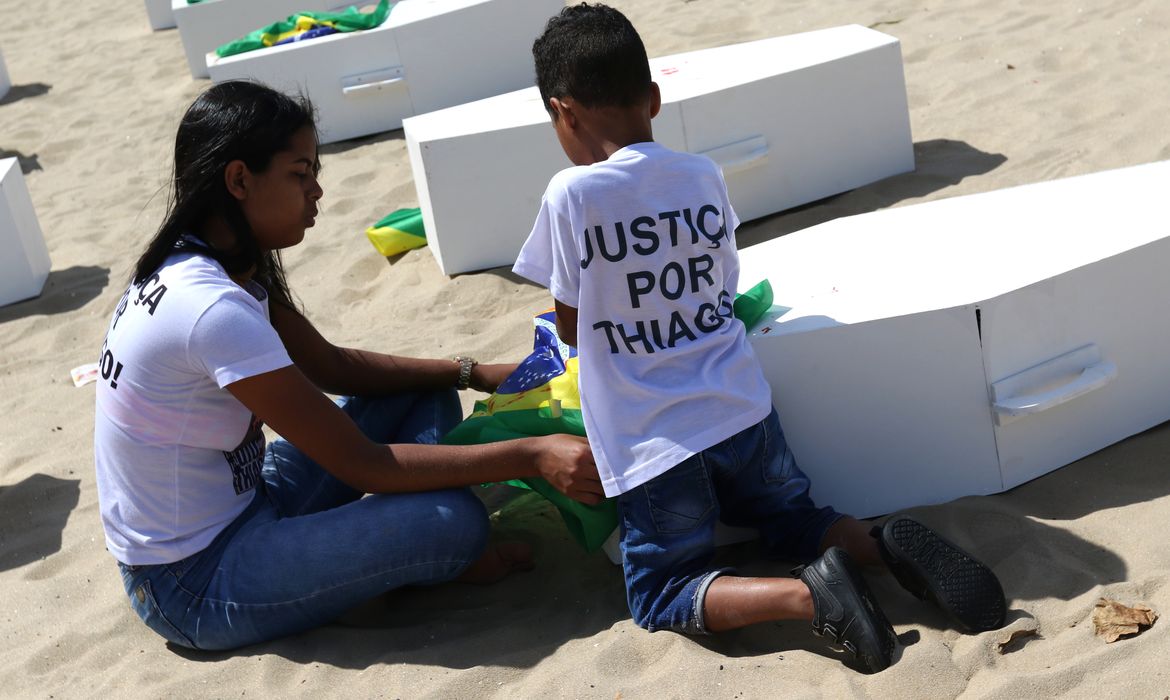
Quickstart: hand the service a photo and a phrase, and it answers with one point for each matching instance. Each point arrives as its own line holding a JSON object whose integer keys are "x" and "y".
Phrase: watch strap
{"x": 466, "y": 364}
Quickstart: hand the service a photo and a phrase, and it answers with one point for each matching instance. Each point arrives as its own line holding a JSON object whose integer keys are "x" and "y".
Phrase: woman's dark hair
{"x": 593, "y": 54}
{"x": 235, "y": 120}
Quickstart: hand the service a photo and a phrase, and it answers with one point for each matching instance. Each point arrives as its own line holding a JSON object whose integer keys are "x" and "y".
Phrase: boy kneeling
{"x": 636, "y": 243}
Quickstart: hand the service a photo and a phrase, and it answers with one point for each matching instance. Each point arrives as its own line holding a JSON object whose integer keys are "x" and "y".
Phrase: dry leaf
{"x": 1006, "y": 640}
{"x": 1112, "y": 620}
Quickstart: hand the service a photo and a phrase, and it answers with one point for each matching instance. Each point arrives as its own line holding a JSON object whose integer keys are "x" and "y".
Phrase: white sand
{"x": 1001, "y": 93}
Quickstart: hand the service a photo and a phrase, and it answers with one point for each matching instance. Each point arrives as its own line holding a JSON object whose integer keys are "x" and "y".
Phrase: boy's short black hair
{"x": 592, "y": 54}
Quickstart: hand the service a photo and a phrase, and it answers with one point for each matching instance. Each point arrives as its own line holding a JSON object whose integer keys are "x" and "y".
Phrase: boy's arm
{"x": 567, "y": 323}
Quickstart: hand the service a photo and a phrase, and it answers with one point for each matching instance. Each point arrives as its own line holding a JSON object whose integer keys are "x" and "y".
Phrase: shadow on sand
{"x": 20, "y": 92}
{"x": 32, "y": 516}
{"x": 939, "y": 163}
{"x": 27, "y": 163}
{"x": 65, "y": 290}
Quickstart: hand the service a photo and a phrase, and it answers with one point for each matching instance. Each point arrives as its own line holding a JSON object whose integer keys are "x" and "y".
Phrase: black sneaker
{"x": 935, "y": 569}
{"x": 845, "y": 610}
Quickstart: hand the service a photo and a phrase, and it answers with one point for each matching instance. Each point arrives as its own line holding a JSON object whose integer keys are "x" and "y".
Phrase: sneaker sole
{"x": 963, "y": 587}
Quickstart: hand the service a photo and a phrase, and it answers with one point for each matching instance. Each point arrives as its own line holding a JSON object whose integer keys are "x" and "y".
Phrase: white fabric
{"x": 665, "y": 371}
{"x": 177, "y": 456}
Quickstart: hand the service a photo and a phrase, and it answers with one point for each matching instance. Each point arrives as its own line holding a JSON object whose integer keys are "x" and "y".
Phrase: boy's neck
{"x": 610, "y": 129}
{"x": 611, "y": 147}
{"x": 590, "y": 135}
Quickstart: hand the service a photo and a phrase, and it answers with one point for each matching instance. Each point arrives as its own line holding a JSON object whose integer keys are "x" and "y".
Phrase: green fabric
{"x": 398, "y": 232}
{"x": 407, "y": 220}
{"x": 751, "y": 306}
{"x": 590, "y": 526}
{"x": 349, "y": 20}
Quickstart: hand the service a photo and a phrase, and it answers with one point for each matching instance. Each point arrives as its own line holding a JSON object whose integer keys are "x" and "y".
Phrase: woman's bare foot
{"x": 497, "y": 562}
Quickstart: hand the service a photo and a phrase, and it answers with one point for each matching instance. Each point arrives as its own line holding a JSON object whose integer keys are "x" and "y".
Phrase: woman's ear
{"x": 235, "y": 178}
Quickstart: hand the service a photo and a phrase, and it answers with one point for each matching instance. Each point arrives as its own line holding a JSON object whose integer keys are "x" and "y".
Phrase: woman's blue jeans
{"x": 308, "y": 548}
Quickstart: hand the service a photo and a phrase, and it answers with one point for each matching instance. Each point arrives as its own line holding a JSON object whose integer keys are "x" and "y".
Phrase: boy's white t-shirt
{"x": 177, "y": 456}
{"x": 643, "y": 246}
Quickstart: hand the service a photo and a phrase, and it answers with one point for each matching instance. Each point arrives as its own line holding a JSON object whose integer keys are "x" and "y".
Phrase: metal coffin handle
{"x": 740, "y": 155}
{"x": 1012, "y": 399}
{"x": 374, "y": 81}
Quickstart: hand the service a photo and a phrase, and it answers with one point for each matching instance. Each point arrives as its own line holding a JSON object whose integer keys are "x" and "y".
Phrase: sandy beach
{"x": 1001, "y": 93}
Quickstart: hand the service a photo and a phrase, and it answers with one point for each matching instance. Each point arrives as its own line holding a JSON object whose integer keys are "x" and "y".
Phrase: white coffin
{"x": 24, "y": 259}
{"x": 205, "y": 26}
{"x": 968, "y": 345}
{"x": 791, "y": 119}
{"x": 160, "y": 14}
{"x": 429, "y": 54}
{"x": 5, "y": 81}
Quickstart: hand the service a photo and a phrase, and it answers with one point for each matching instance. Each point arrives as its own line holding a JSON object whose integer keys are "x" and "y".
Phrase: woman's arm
{"x": 286, "y": 400}
{"x": 350, "y": 372}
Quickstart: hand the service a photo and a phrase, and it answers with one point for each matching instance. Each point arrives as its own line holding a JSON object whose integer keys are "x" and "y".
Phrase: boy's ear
{"x": 563, "y": 108}
{"x": 655, "y": 99}
{"x": 235, "y": 178}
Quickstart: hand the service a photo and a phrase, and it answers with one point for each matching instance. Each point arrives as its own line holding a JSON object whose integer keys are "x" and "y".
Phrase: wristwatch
{"x": 466, "y": 364}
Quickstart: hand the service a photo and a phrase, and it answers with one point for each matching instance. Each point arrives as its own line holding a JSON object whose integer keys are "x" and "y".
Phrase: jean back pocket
{"x": 681, "y": 498}
{"x": 143, "y": 602}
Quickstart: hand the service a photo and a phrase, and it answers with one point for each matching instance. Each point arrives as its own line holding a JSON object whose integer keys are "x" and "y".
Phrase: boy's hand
{"x": 487, "y": 378}
{"x": 566, "y": 462}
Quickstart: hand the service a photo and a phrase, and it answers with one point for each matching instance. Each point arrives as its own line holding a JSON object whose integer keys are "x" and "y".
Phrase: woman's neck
{"x": 216, "y": 233}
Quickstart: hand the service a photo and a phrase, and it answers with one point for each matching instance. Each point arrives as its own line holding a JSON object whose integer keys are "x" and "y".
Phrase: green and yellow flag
{"x": 305, "y": 25}
{"x": 541, "y": 398}
{"x": 398, "y": 232}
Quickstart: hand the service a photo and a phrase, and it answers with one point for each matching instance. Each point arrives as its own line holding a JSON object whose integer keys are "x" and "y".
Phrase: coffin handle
{"x": 739, "y": 155}
{"x": 1090, "y": 379}
{"x": 372, "y": 82}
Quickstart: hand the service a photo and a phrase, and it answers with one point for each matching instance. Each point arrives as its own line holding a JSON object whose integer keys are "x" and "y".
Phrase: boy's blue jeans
{"x": 668, "y": 523}
{"x": 308, "y": 548}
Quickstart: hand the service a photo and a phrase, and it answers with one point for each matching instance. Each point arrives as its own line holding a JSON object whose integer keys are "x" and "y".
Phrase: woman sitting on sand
{"x": 222, "y": 541}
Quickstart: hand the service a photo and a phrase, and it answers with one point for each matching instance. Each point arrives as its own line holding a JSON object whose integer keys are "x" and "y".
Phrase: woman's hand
{"x": 487, "y": 378}
{"x": 566, "y": 462}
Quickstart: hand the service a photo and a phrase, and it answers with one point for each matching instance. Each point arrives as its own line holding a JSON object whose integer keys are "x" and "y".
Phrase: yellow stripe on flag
{"x": 563, "y": 387}
{"x": 390, "y": 241}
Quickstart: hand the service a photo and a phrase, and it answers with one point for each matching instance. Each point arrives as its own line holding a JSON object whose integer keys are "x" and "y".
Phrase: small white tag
{"x": 84, "y": 374}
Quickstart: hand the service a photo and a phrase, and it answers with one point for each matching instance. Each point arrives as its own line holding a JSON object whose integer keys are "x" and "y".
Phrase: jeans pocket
{"x": 143, "y": 602}
{"x": 680, "y": 499}
{"x": 778, "y": 461}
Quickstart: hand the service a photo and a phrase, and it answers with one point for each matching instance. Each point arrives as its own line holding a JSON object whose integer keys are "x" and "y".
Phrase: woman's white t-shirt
{"x": 643, "y": 246}
{"x": 177, "y": 456}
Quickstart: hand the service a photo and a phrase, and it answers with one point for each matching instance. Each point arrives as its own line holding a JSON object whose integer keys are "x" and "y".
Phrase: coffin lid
{"x": 959, "y": 251}
{"x": 680, "y": 76}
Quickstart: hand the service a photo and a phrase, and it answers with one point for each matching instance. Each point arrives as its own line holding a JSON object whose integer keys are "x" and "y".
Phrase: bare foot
{"x": 497, "y": 562}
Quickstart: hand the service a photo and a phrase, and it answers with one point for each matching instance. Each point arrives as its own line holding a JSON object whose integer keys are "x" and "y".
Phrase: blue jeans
{"x": 308, "y": 547}
{"x": 668, "y": 523}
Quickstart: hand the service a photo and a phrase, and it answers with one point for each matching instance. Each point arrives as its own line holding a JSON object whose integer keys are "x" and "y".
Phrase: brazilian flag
{"x": 398, "y": 232}
{"x": 541, "y": 398}
{"x": 306, "y": 24}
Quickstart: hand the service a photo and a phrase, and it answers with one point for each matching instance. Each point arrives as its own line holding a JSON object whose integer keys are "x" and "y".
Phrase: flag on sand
{"x": 398, "y": 232}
